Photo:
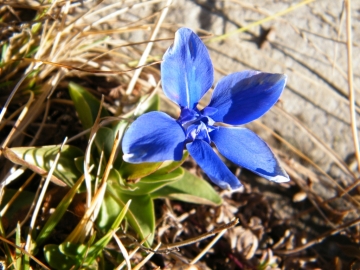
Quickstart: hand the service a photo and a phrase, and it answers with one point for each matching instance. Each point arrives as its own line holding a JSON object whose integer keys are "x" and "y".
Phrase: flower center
{"x": 197, "y": 124}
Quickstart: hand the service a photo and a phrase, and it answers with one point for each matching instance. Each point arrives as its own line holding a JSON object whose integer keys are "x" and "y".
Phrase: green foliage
{"x": 86, "y": 105}
{"x": 57, "y": 260}
{"x": 141, "y": 214}
{"x": 57, "y": 214}
{"x": 26, "y": 198}
{"x": 104, "y": 140}
{"x": 150, "y": 183}
{"x": 148, "y": 104}
{"x": 135, "y": 171}
{"x": 68, "y": 255}
{"x": 139, "y": 184}
{"x": 40, "y": 159}
{"x": 189, "y": 188}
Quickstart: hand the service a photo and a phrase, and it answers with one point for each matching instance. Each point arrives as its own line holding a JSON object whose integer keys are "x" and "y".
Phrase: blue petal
{"x": 186, "y": 71}
{"x": 246, "y": 149}
{"x": 212, "y": 165}
{"x": 153, "y": 137}
{"x": 245, "y": 96}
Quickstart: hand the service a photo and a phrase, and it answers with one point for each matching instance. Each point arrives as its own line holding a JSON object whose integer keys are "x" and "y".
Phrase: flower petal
{"x": 212, "y": 165}
{"x": 153, "y": 137}
{"x": 186, "y": 71}
{"x": 246, "y": 149}
{"x": 245, "y": 96}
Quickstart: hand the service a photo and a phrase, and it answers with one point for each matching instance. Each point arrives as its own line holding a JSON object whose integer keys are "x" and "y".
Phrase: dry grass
{"x": 313, "y": 222}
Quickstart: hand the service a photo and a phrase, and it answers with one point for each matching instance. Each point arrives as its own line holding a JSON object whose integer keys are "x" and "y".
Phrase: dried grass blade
{"x": 18, "y": 192}
{"x": 337, "y": 159}
{"x": 132, "y": 253}
{"x": 259, "y": 22}
{"x": 307, "y": 159}
{"x": 193, "y": 240}
{"x": 92, "y": 136}
{"x": 206, "y": 249}
{"x": 41, "y": 198}
{"x": 147, "y": 258}
{"x": 123, "y": 251}
{"x": 320, "y": 238}
{"x": 350, "y": 82}
{"x": 13, "y": 92}
{"x": 148, "y": 48}
{"x": 25, "y": 252}
{"x": 18, "y": 121}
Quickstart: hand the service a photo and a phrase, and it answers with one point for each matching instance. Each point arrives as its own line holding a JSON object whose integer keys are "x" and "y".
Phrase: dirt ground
{"x": 313, "y": 221}
{"x": 309, "y": 45}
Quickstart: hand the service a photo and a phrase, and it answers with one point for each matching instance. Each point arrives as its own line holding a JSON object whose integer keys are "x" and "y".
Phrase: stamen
{"x": 196, "y": 124}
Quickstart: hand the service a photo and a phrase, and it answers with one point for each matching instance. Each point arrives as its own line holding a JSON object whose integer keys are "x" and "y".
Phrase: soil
{"x": 308, "y": 44}
{"x": 312, "y": 222}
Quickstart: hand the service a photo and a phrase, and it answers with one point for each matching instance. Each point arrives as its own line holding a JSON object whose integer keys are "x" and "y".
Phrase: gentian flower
{"x": 187, "y": 74}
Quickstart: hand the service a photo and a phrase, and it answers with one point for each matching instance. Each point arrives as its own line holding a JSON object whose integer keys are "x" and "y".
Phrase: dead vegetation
{"x": 311, "y": 223}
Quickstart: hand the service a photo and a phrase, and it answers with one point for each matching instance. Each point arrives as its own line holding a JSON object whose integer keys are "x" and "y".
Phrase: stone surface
{"x": 308, "y": 44}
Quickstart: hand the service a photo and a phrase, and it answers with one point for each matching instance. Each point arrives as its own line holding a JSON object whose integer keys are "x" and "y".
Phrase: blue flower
{"x": 187, "y": 74}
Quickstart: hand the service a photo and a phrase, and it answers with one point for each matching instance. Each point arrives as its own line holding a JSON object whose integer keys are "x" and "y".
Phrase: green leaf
{"x": 67, "y": 255}
{"x": 148, "y": 104}
{"x": 169, "y": 166}
{"x": 119, "y": 127}
{"x": 189, "y": 188}
{"x": 79, "y": 163}
{"x": 109, "y": 211}
{"x": 135, "y": 171}
{"x": 86, "y": 105}
{"x": 40, "y": 159}
{"x": 58, "y": 260}
{"x": 104, "y": 140}
{"x": 25, "y": 262}
{"x": 150, "y": 183}
{"x": 21, "y": 203}
{"x": 56, "y": 216}
{"x": 140, "y": 215}
{"x": 76, "y": 251}
{"x": 97, "y": 248}
{"x": 110, "y": 208}
{"x": 115, "y": 178}
{"x": 79, "y": 253}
